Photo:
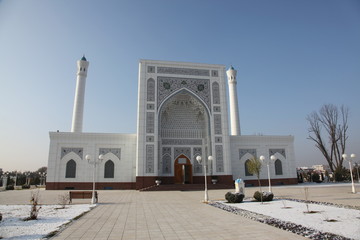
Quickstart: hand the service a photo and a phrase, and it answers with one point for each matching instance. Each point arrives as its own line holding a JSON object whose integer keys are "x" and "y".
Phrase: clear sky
{"x": 292, "y": 57}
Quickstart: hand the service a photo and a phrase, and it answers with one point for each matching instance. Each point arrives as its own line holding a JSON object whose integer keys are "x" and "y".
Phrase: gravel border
{"x": 284, "y": 225}
{"x": 321, "y": 203}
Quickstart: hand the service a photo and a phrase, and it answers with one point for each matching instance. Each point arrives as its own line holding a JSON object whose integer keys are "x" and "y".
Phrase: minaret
{"x": 234, "y": 109}
{"x": 77, "y": 120}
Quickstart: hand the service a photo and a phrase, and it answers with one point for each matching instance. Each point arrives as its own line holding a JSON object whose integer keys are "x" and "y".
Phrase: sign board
{"x": 182, "y": 161}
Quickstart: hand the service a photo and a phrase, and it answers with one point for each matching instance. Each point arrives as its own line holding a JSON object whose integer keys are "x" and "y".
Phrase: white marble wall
{"x": 90, "y": 143}
{"x": 262, "y": 145}
{"x": 203, "y": 73}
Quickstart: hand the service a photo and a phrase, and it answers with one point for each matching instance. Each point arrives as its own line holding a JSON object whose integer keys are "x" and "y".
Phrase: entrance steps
{"x": 185, "y": 187}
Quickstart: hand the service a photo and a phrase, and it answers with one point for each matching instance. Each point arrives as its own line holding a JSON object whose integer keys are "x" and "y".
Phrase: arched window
{"x": 70, "y": 169}
{"x": 278, "y": 167}
{"x": 109, "y": 169}
{"x": 247, "y": 173}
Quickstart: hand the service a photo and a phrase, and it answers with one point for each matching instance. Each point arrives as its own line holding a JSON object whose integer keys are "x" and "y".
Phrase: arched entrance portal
{"x": 182, "y": 170}
{"x": 183, "y": 134}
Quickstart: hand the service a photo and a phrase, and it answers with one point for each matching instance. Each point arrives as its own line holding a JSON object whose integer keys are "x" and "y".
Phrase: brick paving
{"x": 129, "y": 214}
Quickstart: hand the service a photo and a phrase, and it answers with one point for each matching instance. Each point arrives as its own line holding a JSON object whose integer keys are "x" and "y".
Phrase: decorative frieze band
{"x": 280, "y": 151}
{"x": 183, "y": 71}
{"x": 242, "y": 152}
{"x": 115, "y": 151}
{"x": 77, "y": 151}
{"x": 182, "y": 150}
{"x": 168, "y": 85}
{"x": 181, "y": 141}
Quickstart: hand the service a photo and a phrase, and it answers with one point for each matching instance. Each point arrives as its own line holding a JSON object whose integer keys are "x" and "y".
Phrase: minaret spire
{"x": 77, "y": 120}
{"x": 234, "y": 109}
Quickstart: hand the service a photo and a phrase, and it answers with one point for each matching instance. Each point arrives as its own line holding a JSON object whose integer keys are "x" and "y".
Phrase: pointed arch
{"x": 183, "y": 115}
{"x": 109, "y": 169}
{"x": 183, "y": 91}
{"x": 70, "y": 171}
{"x": 278, "y": 167}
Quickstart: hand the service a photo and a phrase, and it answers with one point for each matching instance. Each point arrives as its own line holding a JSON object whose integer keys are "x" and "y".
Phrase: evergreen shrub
{"x": 266, "y": 196}
{"x": 234, "y": 197}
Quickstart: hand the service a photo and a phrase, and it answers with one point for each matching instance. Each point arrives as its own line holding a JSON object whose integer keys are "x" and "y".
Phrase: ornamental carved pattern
{"x": 166, "y": 150}
{"x": 150, "y": 122}
{"x": 149, "y": 138}
{"x": 181, "y": 141}
{"x": 197, "y": 166}
{"x": 184, "y": 71}
{"x": 166, "y": 164}
{"x": 214, "y": 73}
{"x": 217, "y": 109}
{"x": 150, "y": 106}
{"x": 219, "y": 158}
{"x": 182, "y": 150}
{"x": 166, "y": 160}
{"x": 280, "y": 151}
{"x": 216, "y": 93}
{"x": 150, "y": 96}
{"x": 149, "y": 163}
{"x": 217, "y": 124}
{"x": 168, "y": 85}
{"x": 77, "y": 151}
{"x": 115, "y": 151}
{"x": 151, "y": 69}
{"x": 242, "y": 152}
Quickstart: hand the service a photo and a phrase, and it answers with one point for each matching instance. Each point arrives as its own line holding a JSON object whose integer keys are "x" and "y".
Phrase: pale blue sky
{"x": 291, "y": 56}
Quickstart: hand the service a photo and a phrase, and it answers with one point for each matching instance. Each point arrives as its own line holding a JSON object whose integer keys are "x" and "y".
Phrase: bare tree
{"x": 328, "y": 129}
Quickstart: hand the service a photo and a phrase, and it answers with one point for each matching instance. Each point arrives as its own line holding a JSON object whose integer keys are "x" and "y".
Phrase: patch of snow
{"x": 347, "y": 222}
{"x": 50, "y": 218}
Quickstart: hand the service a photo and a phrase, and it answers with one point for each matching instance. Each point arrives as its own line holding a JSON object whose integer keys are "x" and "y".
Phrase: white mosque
{"x": 182, "y": 114}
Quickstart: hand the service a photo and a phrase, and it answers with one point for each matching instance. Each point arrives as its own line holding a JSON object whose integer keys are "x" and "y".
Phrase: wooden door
{"x": 182, "y": 170}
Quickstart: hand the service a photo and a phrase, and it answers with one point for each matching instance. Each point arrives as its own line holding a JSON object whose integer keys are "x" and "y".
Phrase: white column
{"x": 77, "y": 120}
{"x": 233, "y": 102}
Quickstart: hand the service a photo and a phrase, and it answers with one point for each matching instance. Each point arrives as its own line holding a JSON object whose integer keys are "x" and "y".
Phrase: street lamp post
{"x": 27, "y": 175}
{"x": 210, "y": 158}
{"x": 94, "y": 162}
{"x": 42, "y": 178}
{"x": 350, "y": 164}
{"x": 262, "y": 159}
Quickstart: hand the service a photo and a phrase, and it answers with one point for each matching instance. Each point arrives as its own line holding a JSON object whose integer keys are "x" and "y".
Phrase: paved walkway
{"x": 131, "y": 214}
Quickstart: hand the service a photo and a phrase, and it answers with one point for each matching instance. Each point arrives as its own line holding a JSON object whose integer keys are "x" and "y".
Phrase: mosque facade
{"x": 185, "y": 110}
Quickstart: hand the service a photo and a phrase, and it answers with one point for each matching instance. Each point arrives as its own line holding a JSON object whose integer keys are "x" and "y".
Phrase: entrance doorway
{"x": 183, "y": 170}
